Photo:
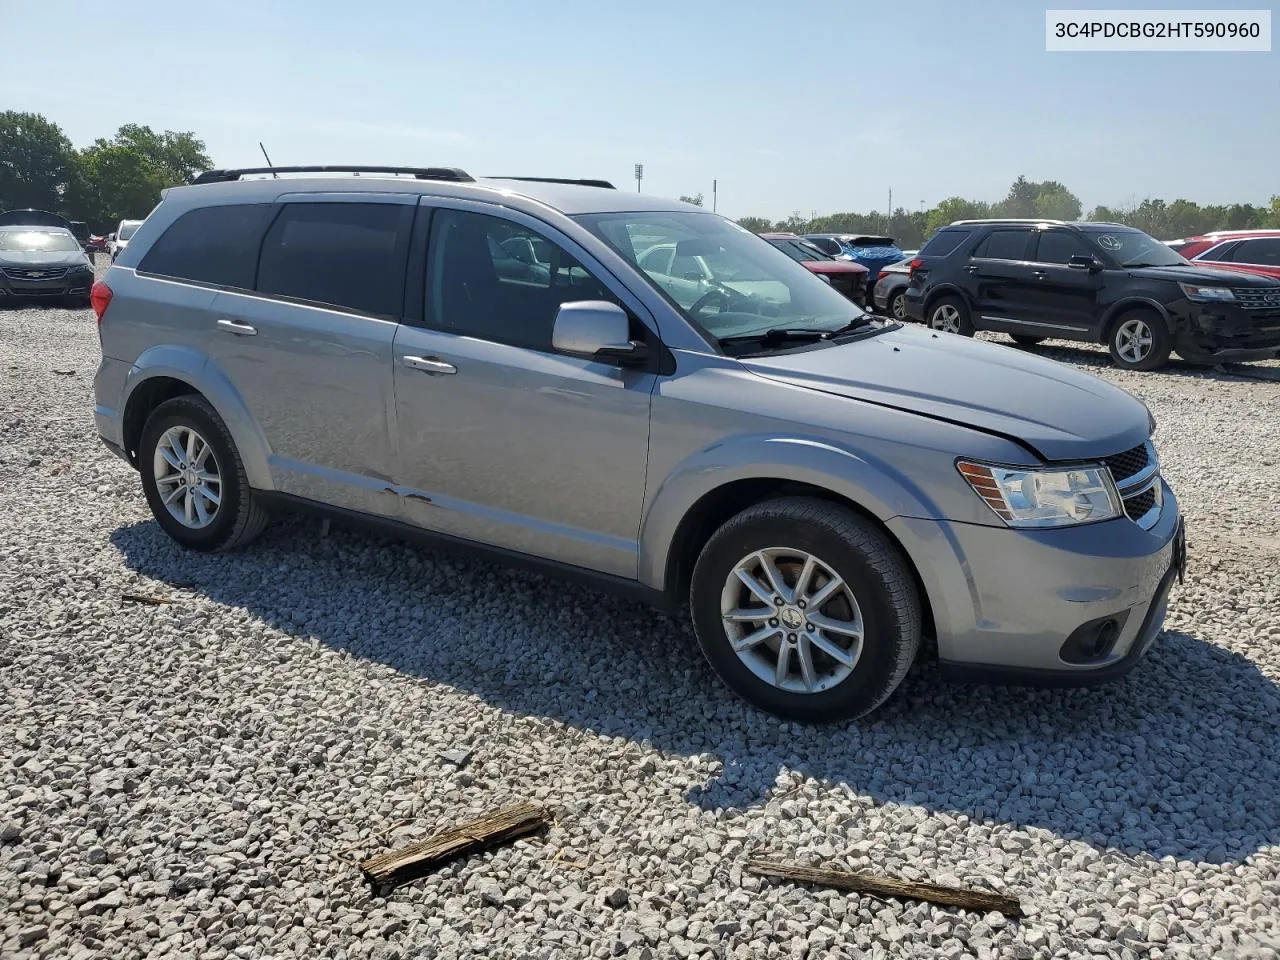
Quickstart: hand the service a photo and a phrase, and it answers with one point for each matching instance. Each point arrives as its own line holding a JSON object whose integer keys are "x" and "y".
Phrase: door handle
{"x": 1040, "y": 274}
{"x": 972, "y": 268}
{"x": 432, "y": 365}
{"x": 234, "y": 326}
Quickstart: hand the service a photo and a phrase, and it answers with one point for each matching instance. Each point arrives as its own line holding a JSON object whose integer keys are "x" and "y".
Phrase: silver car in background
{"x": 497, "y": 366}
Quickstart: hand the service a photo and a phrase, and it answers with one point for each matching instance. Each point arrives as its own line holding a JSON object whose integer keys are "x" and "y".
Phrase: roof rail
{"x": 1222, "y": 233}
{"x": 582, "y": 183}
{"x": 956, "y": 223}
{"x": 420, "y": 173}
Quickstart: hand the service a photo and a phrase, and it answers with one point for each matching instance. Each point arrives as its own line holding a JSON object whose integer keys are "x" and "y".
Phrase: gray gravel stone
{"x": 197, "y": 777}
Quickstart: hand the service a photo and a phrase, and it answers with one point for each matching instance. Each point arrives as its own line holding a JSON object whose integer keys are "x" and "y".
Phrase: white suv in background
{"x": 120, "y": 239}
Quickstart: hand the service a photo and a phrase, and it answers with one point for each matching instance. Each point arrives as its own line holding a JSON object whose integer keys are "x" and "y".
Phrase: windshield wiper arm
{"x": 775, "y": 335}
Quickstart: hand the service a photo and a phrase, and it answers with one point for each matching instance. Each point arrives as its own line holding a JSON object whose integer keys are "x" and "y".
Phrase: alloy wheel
{"x": 187, "y": 477}
{"x": 792, "y": 620}
{"x": 946, "y": 318}
{"x": 1134, "y": 340}
{"x": 898, "y": 307}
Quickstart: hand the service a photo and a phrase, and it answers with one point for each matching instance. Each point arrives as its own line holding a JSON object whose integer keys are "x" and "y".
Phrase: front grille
{"x": 1258, "y": 298}
{"x": 34, "y": 273}
{"x": 1138, "y": 507}
{"x": 1127, "y": 464}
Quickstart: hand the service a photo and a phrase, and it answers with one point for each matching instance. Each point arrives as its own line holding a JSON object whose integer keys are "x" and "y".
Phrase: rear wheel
{"x": 1026, "y": 341}
{"x": 951, "y": 315}
{"x": 806, "y": 609}
{"x": 898, "y": 305}
{"x": 1140, "y": 340}
{"x": 194, "y": 479}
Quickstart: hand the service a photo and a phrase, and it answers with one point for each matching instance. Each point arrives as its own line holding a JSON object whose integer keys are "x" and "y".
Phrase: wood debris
{"x": 978, "y": 900}
{"x": 482, "y": 833}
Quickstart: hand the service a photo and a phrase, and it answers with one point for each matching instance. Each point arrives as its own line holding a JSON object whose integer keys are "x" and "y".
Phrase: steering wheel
{"x": 708, "y": 298}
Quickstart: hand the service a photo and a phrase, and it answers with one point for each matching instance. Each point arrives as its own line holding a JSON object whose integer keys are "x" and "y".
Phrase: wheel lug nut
{"x": 800, "y": 604}
{"x": 791, "y": 638}
{"x": 777, "y": 601}
{"x": 773, "y": 622}
{"x": 809, "y": 627}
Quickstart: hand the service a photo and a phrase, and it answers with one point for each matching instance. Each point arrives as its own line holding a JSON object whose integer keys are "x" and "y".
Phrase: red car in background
{"x": 1192, "y": 247}
{"x": 1253, "y": 251}
{"x": 96, "y": 244}
{"x": 846, "y": 276}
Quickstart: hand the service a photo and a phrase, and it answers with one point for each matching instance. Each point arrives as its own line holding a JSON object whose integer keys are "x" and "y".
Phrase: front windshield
{"x": 1133, "y": 248}
{"x": 128, "y": 230}
{"x": 722, "y": 277}
{"x": 37, "y": 241}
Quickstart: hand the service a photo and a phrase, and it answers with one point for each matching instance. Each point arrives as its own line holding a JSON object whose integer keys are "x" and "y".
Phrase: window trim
{"x": 404, "y": 239}
{"x": 1061, "y": 232}
{"x": 1026, "y": 244}
{"x": 635, "y": 308}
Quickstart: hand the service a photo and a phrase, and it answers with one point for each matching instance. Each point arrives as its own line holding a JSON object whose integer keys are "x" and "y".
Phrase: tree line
{"x": 121, "y": 178}
{"x": 1027, "y": 198}
{"x": 108, "y": 181}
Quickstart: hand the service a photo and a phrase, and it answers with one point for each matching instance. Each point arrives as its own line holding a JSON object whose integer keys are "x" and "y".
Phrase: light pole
{"x": 639, "y": 175}
{"x": 713, "y": 196}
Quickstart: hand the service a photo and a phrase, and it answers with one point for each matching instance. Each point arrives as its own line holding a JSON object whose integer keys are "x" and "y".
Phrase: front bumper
{"x": 70, "y": 284}
{"x": 1216, "y": 333}
{"x": 1005, "y": 602}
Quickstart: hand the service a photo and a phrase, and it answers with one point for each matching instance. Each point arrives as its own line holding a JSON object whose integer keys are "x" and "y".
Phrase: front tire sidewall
{"x": 885, "y": 627}
{"x": 1161, "y": 342}
{"x": 185, "y": 412}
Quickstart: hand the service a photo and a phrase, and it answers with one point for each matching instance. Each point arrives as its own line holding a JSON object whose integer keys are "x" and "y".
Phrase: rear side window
{"x": 943, "y": 242}
{"x": 1004, "y": 245}
{"x": 213, "y": 245}
{"x": 1264, "y": 251}
{"x": 1221, "y": 252}
{"x": 346, "y": 255}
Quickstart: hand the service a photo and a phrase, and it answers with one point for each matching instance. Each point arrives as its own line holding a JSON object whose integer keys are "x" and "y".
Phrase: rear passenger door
{"x": 1000, "y": 278}
{"x": 503, "y": 440}
{"x": 309, "y": 349}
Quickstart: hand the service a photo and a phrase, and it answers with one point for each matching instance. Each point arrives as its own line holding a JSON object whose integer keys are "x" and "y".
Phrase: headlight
{"x": 1195, "y": 292}
{"x": 1033, "y": 497}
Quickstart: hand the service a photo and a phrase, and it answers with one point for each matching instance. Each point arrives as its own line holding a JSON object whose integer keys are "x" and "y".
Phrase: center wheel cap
{"x": 792, "y": 618}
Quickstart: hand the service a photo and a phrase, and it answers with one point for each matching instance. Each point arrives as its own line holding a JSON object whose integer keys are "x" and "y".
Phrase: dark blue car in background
{"x": 874, "y": 253}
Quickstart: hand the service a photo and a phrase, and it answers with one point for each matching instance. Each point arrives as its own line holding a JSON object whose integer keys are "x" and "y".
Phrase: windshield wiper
{"x": 776, "y": 335}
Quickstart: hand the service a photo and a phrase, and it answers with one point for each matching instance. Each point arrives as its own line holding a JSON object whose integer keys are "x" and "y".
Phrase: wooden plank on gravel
{"x": 888, "y": 887}
{"x": 482, "y": 833}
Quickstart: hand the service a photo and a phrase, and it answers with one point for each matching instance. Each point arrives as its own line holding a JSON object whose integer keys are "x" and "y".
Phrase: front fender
{"x": 1129, "y": 303}
{"x": 868, "y": 481}
{"x": 192, "y": 366}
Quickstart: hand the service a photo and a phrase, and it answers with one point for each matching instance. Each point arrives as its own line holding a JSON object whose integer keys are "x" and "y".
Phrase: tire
{"x": 950, "y": 314}
{"x": 1139, "y": 340}
{"x": 237, "y": 518}
{"x": 1023, "y": 340}
{"x": 898, "y": 306}
{"x": 878, "y": 591}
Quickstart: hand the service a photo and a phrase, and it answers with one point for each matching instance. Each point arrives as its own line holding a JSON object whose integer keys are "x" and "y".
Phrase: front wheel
{"x": 951, "y": 315}
{"x": 806, "y": 609}
{"x": 1140, "y": 340}
{"x": 194, "y": 479}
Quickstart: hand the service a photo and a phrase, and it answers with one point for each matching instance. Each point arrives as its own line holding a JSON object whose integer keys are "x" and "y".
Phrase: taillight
{"x": 100, "y": 298}
{"x": 914, "y": 265}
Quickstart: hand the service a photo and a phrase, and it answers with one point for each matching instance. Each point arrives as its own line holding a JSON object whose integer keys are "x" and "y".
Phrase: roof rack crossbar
{"x": 421, "y": 173}
{"x": 605, "y": 184}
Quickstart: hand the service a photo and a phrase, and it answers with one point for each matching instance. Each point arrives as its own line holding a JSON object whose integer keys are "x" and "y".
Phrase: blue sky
{"x": 816, "y": 106}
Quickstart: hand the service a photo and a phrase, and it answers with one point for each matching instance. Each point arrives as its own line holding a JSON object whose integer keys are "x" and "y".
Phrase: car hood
{"x": 1057, "y": 411}
{"x": 1195, "y": 273}
{"x": 59, "y": 258}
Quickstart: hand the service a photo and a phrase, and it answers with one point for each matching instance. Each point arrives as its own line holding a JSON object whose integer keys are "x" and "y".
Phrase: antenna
{"x": 269, "y": 163}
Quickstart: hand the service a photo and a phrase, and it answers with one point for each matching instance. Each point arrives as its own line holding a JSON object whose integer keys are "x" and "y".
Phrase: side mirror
{"x": 1084, "y": 261}
{"x": 597, "y": 330}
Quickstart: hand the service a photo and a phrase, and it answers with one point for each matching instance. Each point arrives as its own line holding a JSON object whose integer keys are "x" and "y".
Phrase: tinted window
{"x": 1264, "y": 250}
{"x": 349, "y": 255}
{"x": 1004, "y": 245}
{"x": 476, "y": 287}
{"x": 825, "y": 244}
{"x": 1220, "y": 252}
{"x": 943, "y": 242}
{"x": 217, "y": 245}
{"x": 1058, "y": 246}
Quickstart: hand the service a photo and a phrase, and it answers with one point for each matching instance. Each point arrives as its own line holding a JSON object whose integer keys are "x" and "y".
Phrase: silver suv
{"x": 496, "y": 364}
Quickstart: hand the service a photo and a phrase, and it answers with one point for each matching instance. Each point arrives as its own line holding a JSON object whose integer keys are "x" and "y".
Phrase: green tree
{"x": 121, "y": 178}
{"x": 756, "y": 224}
{"x": 36, "y": 162}
{"x": 696, "y": 199}
{"x": 1055, "y": 202}
{"x": 952, "y": 209}
{"x": 1020, "y": 201}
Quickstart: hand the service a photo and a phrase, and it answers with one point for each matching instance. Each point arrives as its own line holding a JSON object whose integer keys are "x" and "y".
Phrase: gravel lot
{"x": 195, "y": 779}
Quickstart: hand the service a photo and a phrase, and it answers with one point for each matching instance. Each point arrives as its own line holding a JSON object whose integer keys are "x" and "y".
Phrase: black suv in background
{"x": 1098, "y": 282}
